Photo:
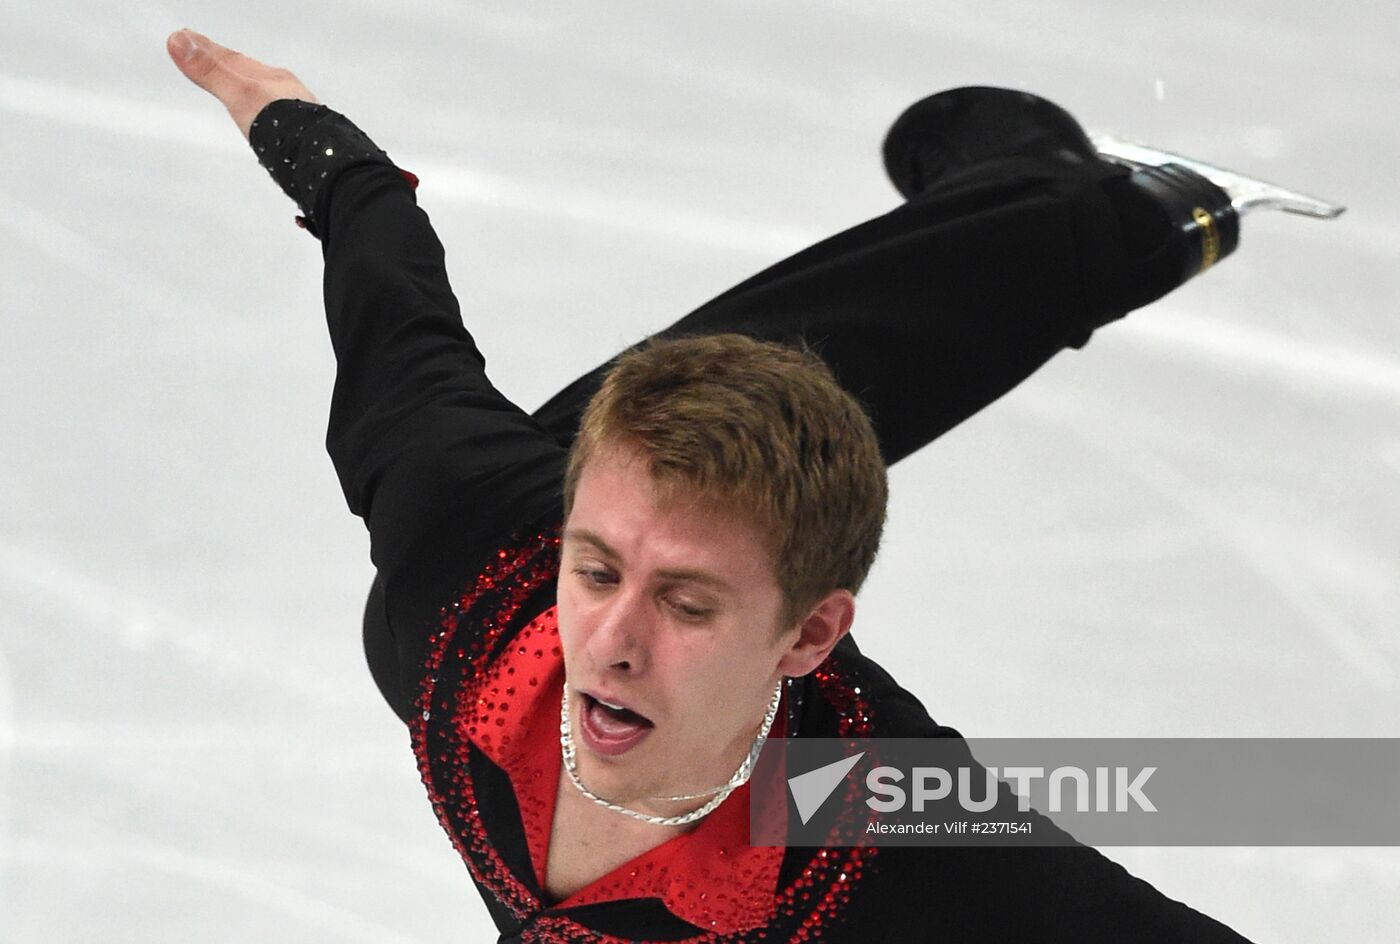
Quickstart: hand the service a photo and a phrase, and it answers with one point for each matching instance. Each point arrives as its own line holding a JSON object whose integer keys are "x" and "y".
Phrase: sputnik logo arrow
{"x": 810, "y": 790}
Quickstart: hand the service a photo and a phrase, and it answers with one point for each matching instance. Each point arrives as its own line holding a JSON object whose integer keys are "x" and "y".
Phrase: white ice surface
{"x": 1191, "y": 527}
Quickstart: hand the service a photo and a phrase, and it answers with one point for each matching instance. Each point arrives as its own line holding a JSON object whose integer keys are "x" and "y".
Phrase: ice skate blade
{"x": 1246, "y": 193}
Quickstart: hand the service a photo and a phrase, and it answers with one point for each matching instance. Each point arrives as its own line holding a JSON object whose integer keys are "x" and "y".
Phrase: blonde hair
{"x": 755, "y": 428}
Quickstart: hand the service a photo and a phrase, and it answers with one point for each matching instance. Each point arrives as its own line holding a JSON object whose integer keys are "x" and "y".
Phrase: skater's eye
{"x": 596, "y": 577}
{"x": 688, "y": 612}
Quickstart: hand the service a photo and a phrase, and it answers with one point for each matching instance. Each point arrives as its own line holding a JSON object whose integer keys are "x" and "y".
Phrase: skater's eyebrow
{"x": 591, "y": 537}
{"x": 686, "y": 574}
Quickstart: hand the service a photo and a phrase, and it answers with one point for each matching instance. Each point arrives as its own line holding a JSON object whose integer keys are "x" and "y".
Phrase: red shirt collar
{"x": 710, "y": 876}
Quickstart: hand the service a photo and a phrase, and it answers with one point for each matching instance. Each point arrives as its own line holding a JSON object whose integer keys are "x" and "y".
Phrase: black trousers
{"x": 930, "y": 312}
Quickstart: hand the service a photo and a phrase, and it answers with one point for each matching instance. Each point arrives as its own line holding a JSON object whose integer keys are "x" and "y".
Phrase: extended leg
{"x": 934, "y": 310}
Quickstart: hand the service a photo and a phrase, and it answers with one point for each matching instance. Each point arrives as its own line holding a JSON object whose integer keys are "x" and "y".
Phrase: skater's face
{"x": 672, "y": 610}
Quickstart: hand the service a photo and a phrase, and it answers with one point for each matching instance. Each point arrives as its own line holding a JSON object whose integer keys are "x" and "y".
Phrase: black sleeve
{"x": 422, "y": 442}
{"x": 1050, "y": 893}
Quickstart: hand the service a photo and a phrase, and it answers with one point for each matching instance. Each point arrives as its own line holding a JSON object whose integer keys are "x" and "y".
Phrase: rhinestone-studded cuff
{"x": 305, "y": 146}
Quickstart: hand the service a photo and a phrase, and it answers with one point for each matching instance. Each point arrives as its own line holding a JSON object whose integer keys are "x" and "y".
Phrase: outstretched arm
{"x": 423, "y": 443}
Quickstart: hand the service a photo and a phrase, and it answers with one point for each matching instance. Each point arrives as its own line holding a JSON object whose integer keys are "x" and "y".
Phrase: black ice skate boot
{"x": 958, "y": 128}
{"x": 1182, "y": 212}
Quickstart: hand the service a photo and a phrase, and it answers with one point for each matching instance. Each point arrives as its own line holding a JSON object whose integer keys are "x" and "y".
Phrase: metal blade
{"x": 1246, "y": 193}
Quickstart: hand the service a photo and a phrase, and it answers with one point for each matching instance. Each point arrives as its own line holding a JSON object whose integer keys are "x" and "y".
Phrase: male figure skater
{"x": 590, "y": 616}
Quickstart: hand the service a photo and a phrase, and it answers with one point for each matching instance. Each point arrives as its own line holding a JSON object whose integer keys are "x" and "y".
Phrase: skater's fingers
{"x": 243, "y": 84}
{"x": 222, "y": 72}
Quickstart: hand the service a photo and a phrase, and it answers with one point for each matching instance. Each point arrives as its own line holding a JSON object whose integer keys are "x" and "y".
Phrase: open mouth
{"x": 611, "y": 729}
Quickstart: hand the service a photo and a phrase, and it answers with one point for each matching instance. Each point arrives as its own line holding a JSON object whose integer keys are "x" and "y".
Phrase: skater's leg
{"x": 934, "y": 310}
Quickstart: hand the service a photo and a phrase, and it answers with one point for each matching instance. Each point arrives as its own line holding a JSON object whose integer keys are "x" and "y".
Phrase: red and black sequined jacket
{"x": 460, "y": 490}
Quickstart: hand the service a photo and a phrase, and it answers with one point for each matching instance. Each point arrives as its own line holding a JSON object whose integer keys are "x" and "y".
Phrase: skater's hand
{"x": 244, "y": 86}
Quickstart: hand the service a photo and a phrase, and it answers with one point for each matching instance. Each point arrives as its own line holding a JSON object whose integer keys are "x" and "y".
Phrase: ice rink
{"x": 1189, "y": 528}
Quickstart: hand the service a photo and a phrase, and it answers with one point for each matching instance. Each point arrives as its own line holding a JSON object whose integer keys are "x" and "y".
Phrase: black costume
{"x": 926, "y": 314}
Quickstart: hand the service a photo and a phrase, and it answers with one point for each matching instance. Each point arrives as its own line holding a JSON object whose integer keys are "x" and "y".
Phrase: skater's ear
{"x": 818, "y": 633}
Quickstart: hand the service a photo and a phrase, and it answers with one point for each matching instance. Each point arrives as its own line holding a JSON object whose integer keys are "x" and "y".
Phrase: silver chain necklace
{"x": 741, "y": 776}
